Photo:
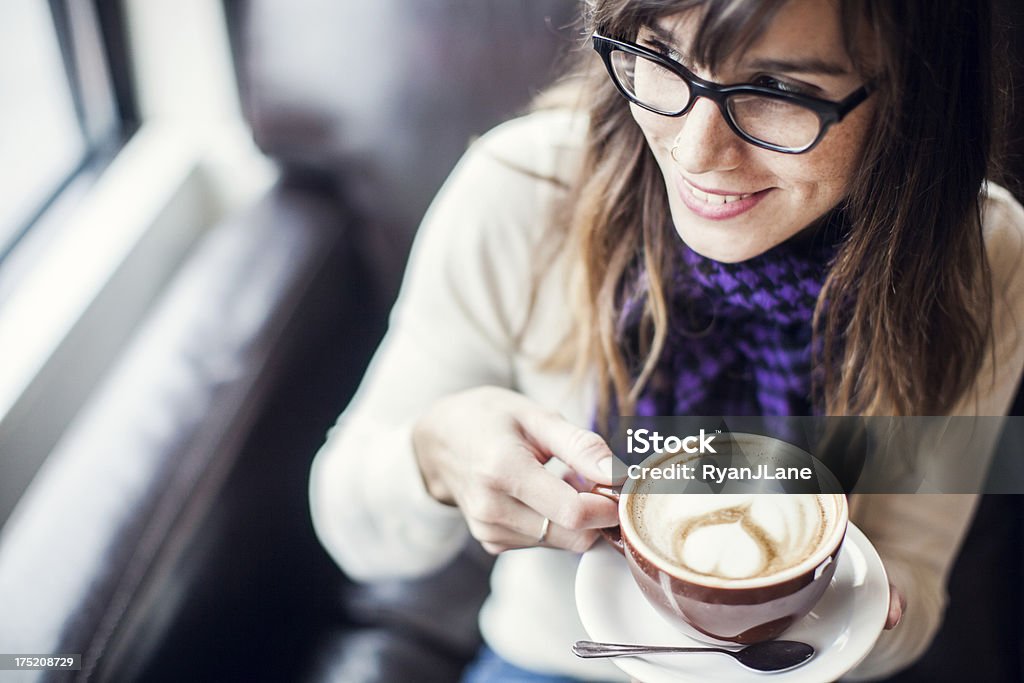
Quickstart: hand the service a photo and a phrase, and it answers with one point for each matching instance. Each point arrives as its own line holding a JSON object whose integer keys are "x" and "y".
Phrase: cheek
{"x": 832, "y": 164}
{"x": 826, "y": 172}
{"x": 823, "y": 180}
{"x": 659, "y": 130}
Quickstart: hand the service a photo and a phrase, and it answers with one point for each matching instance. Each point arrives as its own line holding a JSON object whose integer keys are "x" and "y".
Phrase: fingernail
{"x": 604, "y": 466}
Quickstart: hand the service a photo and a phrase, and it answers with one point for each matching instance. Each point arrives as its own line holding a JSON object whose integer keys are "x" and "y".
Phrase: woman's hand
{"x": 484, "y": 450}
{"x": 897, "y": 606}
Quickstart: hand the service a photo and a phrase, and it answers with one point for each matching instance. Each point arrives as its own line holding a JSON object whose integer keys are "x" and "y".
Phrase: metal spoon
{"x": 771, "y": 655}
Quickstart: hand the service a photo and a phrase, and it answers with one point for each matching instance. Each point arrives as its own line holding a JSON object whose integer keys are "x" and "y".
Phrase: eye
{"x": 773, "y": 83}
{"x": 662, "y": 49}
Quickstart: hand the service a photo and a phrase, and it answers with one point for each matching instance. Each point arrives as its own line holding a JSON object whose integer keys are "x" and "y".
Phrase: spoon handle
{"x": 589, "y": 649}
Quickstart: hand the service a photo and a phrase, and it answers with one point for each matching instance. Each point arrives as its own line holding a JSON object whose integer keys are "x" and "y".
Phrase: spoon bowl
{"x": 769, "y": 656}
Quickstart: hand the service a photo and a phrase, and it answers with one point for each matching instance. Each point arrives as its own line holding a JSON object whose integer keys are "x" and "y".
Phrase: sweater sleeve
{"x": 918, "y": 536}
{"x": 453, "y": 327}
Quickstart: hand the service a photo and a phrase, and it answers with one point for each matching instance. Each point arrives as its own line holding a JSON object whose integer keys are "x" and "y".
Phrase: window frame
{"x": 178, "y": 159}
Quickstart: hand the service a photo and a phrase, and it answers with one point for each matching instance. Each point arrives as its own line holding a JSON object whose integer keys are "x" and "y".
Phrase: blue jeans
{"x": 488, "y": 667}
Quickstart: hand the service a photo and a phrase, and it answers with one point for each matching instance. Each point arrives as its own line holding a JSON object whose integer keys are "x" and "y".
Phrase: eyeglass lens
{"x": 770, "y": 120}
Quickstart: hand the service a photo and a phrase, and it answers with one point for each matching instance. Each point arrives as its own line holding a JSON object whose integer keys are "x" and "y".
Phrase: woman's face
{"x": 769, "y": 196}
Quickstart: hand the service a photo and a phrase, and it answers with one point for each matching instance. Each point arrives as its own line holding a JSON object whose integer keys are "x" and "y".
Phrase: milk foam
{"x": 732, "y": 536}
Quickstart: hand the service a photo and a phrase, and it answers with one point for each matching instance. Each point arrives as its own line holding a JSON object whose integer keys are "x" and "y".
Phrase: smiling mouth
{"x": 716, "y": 199}
{"x": 717, "y": 205}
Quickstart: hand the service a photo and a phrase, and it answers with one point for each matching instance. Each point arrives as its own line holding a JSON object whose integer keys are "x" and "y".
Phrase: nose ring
{"x": 672, "y": 153}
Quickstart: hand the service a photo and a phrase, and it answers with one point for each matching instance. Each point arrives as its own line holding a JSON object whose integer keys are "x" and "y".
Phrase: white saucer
{"x": 842, "y": 627}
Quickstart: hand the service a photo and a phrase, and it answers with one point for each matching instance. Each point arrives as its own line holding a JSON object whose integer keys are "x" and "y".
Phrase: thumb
{"x": 581, "y": 449}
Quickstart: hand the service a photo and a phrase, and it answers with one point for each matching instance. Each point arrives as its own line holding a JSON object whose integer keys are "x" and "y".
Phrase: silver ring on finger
{"x": 544, "y": 531}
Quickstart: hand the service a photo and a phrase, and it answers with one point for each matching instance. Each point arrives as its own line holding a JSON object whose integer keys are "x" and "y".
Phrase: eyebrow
{"x": 808, "y": 65}
{"x": 805, "y": 65}
{"x": 669, "y": 39}
{"x": 662, "y": 34}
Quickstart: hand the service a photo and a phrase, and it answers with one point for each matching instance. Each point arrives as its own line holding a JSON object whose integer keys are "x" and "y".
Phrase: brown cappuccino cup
{"x": 727, "y": 568}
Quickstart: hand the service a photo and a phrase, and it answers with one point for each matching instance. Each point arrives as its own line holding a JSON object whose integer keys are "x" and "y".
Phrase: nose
{"x": 705, "y": 142}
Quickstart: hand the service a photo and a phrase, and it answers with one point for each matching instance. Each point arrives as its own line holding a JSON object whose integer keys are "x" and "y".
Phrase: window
{"x": 58, "y": 112}
{"x": 42, "y": 141}
{"x": 123, "y": 142}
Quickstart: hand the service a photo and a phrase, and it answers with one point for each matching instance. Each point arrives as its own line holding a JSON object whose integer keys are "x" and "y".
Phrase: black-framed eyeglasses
{"x": 787, "y": 122}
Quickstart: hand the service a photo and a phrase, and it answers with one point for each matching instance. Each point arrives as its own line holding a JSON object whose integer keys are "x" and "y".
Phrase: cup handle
{"x": 612, "y": 534}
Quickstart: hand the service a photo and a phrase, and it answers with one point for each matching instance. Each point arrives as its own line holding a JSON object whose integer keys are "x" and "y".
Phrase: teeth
{"x": 715, "y": 199}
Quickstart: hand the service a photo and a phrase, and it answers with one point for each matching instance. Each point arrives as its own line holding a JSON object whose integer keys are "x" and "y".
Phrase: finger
{"x": 565, "y": 539}
{"x": 893, "y": 618}
{"x": 581, "y": 449}
{"x": 529, "y": 482}
{"x": 576, "y": 481}
{"x": 897, "y": 605}
{"x": 499, "y": 519}
{"x": 556, "y": 536}
{"x": 497, "y": 538}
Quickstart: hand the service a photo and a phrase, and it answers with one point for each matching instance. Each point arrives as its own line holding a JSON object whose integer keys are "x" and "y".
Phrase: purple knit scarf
{"x": 739, "y": 340}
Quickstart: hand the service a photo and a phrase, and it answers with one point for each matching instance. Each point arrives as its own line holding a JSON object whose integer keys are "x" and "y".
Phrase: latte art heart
{"x": 729, "y": 537}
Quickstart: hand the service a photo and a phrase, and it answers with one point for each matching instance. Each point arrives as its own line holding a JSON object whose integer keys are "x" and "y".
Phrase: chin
{"x": 724, "y": 250}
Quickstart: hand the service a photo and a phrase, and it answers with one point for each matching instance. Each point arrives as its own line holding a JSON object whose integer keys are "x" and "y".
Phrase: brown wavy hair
{"x": 910, "y": 324}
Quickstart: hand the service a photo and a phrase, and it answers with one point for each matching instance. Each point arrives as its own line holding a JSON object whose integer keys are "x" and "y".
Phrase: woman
{"x": 820, "y": 242}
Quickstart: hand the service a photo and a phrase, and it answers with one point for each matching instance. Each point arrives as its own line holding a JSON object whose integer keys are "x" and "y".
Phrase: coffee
{"x": 727, "y": 568}
{"x": 729, "y": 537}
